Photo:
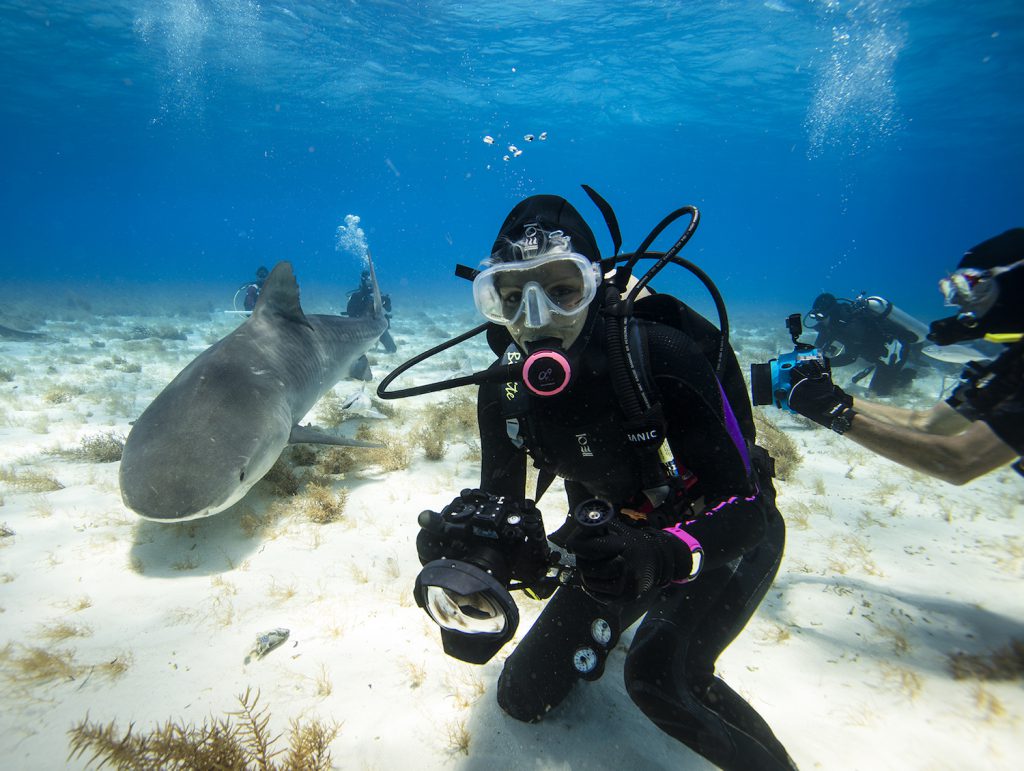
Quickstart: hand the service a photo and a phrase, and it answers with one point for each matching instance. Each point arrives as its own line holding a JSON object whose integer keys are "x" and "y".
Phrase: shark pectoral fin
{"x": 310, "y": 435}
{"x": 360, "y": 369}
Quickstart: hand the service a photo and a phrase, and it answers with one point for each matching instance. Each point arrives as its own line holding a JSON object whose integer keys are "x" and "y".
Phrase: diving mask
{"x": 815, "y": 319}
{"x": 537, "y": 293}
{"x": 974, "y": 290}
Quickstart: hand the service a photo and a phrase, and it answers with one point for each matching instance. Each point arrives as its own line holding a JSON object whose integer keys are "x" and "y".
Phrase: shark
{"x": 218, "y": 427}
{"x": 6, "y": 333}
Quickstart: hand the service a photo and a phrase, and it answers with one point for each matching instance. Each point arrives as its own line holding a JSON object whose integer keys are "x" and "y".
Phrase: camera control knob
{"x": 594, "y": 512}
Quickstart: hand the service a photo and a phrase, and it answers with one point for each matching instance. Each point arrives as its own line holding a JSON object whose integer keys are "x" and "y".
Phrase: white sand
{"x": 886, "y": 573}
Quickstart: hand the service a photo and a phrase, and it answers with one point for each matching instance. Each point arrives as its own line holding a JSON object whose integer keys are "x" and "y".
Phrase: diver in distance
{"x": 360, "y": 303}
{"x": 872, "y": 329}
{"x": 980, "y": 427}
{"x": 251, "y": 291}
{"x": 639, "y": 405}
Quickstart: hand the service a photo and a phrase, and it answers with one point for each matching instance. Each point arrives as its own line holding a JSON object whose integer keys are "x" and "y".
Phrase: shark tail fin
{"x": 378, "y": 304}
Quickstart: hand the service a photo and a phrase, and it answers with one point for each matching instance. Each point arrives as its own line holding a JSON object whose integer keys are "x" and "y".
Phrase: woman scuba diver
{"x": 640, "y": 406}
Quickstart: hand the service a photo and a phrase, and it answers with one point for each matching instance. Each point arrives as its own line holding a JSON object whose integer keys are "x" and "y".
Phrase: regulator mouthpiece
{"x": 546, "y": 372}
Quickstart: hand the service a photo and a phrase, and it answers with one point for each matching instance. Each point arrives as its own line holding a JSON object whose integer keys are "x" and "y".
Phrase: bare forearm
{"x": 940, "y": 420}
{"x": 954, "y": 459}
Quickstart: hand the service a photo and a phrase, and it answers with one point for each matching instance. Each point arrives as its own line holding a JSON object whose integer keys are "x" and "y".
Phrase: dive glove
{"x": 815, "y": 396}
{"x": 624, "y": 562}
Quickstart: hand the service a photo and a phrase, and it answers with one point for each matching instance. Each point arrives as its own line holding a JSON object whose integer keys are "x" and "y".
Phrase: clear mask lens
{"x": 536, "y": 292}
{"x": 535, "y": 308}
{"x": 813, "y": 320}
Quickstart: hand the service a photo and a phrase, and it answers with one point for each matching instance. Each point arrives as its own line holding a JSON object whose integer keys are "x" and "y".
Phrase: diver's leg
{"x": 540, "y": 672}
{"x": 670, "y": 666}
{"x": 885, "y": 379}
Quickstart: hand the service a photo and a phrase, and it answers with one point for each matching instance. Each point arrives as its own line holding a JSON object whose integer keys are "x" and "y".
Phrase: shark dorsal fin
{"x": 280, "y": 296}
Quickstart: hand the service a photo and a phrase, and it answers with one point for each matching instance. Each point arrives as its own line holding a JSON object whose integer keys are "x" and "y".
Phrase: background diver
{"x": 251, "y": 291}
{"x": 980, "y": 427}
{"x": 695, "y": 539}
{"x": 870, "y": 329}
{"x": 360, "y": 303}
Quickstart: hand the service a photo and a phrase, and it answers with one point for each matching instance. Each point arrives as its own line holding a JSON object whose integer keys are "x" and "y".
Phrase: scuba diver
{"x": 869, "y": 328}
{"x": 639, "y": 405}
{"x": 252, "y": 290}
{"x": 980, "y": 427}
{"x": 360, "y": 303}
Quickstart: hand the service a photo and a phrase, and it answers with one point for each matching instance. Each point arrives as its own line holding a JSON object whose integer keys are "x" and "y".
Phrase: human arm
{"x": 956, "y": 458}
{"x": 941, "y": 419}
{"x": 709, "y": 424}
{"x": 938, "y": 442}
{"x": 502, "y": 464}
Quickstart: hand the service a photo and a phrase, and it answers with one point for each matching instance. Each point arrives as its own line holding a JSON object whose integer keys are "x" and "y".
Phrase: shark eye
{"x": 241, "y": 475}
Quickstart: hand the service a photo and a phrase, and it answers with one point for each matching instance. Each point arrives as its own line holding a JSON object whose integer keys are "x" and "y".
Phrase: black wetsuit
{"x": 994, "y": 394}
{"x": 360, "y": 303}
{"x": 669, "y": 669}
{"x": 252, "y": 294}
{"x": 864, "y": 334}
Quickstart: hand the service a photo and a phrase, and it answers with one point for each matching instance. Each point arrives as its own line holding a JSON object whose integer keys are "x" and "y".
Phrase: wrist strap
{"x": 696, "y": 552}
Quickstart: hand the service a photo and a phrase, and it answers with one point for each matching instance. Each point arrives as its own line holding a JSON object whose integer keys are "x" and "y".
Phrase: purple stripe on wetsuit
{"x": 733, "y": 427}
{"x": 721, "y": 505}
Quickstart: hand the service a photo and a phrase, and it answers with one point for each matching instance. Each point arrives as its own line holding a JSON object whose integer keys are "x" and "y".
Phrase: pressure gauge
{"x": 601, "y": 631}
{"x": 585, "y": 660}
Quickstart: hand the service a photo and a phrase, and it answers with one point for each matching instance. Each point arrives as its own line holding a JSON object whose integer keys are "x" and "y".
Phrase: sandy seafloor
{"x": 106, "y": 616}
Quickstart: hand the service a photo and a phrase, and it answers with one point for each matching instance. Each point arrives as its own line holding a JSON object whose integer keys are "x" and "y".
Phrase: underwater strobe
{"x": 471, "y": 551}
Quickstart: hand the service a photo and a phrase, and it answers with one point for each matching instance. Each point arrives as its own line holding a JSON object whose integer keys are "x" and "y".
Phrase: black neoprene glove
{"x": 625, "y": 562}
{"x": 815, "y": 396}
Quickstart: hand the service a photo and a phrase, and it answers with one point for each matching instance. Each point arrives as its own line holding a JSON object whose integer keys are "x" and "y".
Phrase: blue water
{"x": 829, "y": 145}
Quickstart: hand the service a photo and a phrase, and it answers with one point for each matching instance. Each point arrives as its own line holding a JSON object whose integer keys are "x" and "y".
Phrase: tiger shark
{"x": 6, "y": 333}
{"x": 222, "y": 422}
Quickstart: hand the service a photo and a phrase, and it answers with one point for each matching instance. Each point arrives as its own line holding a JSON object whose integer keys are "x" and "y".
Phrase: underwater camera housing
{"x": 770, "y": 382}
{"x": 471, "y": 551}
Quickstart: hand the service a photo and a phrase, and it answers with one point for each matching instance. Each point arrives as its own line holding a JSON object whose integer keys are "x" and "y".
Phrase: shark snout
{"x": 174, "y": 486}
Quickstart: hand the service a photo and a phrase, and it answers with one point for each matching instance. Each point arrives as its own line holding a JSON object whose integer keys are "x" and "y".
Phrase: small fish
{"x": 488, "y": 140}
{"x": 361, "y": 404}
{"x": 513, "y": 149}
{"x": 543, "y": 136}
{"x": 529, "y": 137}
